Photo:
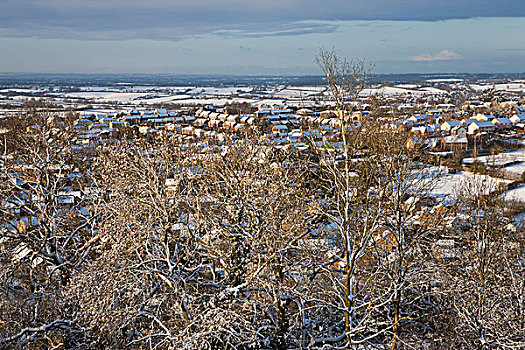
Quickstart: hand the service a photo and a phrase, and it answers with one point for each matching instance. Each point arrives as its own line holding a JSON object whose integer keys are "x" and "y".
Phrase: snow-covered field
{"x": 23, "y": 90}
{"x": 192, "y": 95}
{"x": 453, "y": 186}
{"x": 512, "y": 162}
{"x": 193, "y": 101}
{"x": 517, "y": 194}
{"x": 390, "y": 91}
{"x": 402, "y": 90}
{"x": 516, "y": 169}
{"x": 516, "y": 86}
{"x": 220, "y": 91}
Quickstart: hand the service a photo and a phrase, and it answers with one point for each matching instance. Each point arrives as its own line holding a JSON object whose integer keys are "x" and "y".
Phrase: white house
{"x": 459, "y": 131}
{"x": 480, "y": 126}
{"x": 467, "y": 122}
{"x": 449, "y": 125}
{"x": 502, "y": 123}
{"x": 518, "y": 118}
{"x": 484, "y": 117}
{"x": 418, "y": 119}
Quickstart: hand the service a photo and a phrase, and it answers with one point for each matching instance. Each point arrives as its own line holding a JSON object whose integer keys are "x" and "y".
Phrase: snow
{"x": 435, "y": 91}
{"x": 449, "y": 186}
{"x": 517, "y": 169}
{"x": 407, "y": 86}
{"x": 503, "y": 160}
{"x": 23, "y": 90}
{"x": 478, "y": 87}
{"x": 517, "y": 194}
{"x": 219, "y": 91}
{"x": 296, "y": 93}
{"x": 389, "y": 91}
{"x": 445, "y": 80}
{"x": 402, "y": 89}
{"x": 518, "y": 87}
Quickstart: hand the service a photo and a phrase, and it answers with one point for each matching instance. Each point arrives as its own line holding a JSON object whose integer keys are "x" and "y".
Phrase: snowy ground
{"x": 23, "y": 90}
{"x": 516, "y": 169}
{"x": 193, "y": 95}
{"x": 517, "y": 194}
{"x": 455, "y": 184}
{"x": 517, "y": 86}
{"x": 407, "y": 89}
{"x": 220, "y": 91}
{"x": 512, "y": 162}
{"x": 452, "y": 186}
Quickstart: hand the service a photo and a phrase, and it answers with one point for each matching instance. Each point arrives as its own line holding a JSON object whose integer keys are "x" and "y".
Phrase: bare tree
{"x": 215, "y": 232}
{"x": 484, "y": 280}
{"x": 45, "y": 223}
{"x": 351, "y": 203}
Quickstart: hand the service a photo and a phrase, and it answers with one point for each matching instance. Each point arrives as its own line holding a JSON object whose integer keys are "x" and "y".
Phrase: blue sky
{"x": 259, "y": 37}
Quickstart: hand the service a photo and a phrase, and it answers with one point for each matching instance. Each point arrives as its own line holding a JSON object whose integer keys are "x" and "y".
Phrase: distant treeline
{"x": 10, "y": 79}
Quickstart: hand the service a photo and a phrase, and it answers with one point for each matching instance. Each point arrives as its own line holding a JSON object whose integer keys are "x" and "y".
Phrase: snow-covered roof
{"x": 452, "y": 123}
{"x": 484, "y": 124}
{"x": 502, "y": 121}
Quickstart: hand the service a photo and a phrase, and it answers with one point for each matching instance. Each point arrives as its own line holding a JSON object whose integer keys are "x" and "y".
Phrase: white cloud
{"x": 444, "y": 55}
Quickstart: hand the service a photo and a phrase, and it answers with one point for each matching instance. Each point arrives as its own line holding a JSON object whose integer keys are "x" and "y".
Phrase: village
{"x": 451, "y": 153}
{"x": 262, "y": 175}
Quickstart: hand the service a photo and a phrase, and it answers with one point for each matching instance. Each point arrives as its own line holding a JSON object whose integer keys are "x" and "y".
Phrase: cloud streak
{"x": 291, "y": 29}
{"x": 444, "y": 55}
{"x": 176, "y": 19}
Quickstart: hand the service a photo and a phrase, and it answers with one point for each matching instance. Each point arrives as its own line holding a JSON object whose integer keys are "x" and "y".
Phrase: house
{"x": 85, "y": 122}
{"x": 240, "y": 127}
{"x": 118, "y": 125}
{"x": 484, "y": 117}
{"x": 305, "y": 111}
{"x": 454, "y": 142}
{"x": 133, "y": 112}
{"x": 424, "y": 130}
{"x": 132, "y": 119}
{"x": 517, "y": 110}
{"x": 520, "y": 127}
{"x": 282, "y": 130}
{"x": 467, "y": 122}
{"x": 201, "y": 122}
{"x": 405, "y": 107}
{"x": 414, "y": 143}
{"x": 295, "y": 136}
{"x": 449, "y": 125}
{"x": 502, "y": 123}
{"x": 189, "y": 130}
{"x": 232, "y": 118}
{"x": 481, "y": 126}
{"x": 418, "y": 119}
{"x": 189, "y": 118}
{"x": 446, "y": 107}
{"x": 147, "y": 116}
{"x": 162, "y": 113}
{"x": 518, "y": 118}
{"x": 435, "y": 112}
{"x": 458, "y": 131}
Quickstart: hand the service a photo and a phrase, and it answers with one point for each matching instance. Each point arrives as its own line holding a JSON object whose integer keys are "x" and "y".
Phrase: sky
{"x": 254, "y": 37}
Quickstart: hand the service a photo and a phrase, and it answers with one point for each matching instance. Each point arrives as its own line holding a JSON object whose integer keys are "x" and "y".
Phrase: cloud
{"x": 444, "y": 55}
{"x": 295, "y": 28}
{"x": 169, "y": 19}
